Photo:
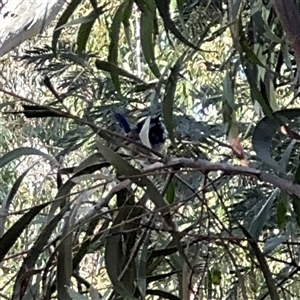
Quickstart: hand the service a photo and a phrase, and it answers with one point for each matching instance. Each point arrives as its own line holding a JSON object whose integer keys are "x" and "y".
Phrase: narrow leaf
{"x": 14, "y": 232}
{"x": 86, "y": 28}
{"x": 113, "y": 69}
{"x": 264, "y": 133}
{"x": 261, "y": 218}
{"x": 17, "y": 153}
{"x": 125, "y": 168}
{"x": 7, "y": 202}
{"x": 147, "y": 38}
{"x": 34, "y": 253}
{"x": 63, "y": 20}
{"x": 163, "y": 8}
{"x": 114, "y": 35}
{"x": 170, "y": 193}
{"x": 272, "y": 243}
{"x": 169, "y": 99}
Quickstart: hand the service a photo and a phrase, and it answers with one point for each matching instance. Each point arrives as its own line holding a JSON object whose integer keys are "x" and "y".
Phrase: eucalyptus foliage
{"x": 84, "y": 219}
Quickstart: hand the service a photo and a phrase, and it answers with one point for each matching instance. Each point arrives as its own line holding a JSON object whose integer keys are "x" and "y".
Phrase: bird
{"x": 149, "y": 131}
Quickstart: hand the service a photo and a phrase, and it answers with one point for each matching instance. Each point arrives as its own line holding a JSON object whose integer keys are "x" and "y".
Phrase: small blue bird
{"x": 149, "y": 131}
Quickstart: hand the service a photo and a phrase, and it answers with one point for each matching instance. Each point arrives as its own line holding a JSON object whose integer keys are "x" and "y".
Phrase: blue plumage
{"x": 123, "y": 122}
{"x": 156, "y": 132}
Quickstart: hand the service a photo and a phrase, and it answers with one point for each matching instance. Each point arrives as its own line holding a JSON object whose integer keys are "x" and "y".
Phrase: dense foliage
{"x": 215, "y": 217}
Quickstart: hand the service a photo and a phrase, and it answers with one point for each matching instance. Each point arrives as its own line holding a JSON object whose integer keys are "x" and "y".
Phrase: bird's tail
{"x": 123, "y": 122}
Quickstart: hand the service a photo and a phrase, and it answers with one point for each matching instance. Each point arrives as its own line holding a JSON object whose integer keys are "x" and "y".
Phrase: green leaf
{"x": 264, "y": 133}
{"x": 216, "y": 276}
{"x": 64, "y": 261}
{"x": 114, "y": 35}
{"x": 296, "y": 200}
{"x": 113, "y": 255}
{"x": 228, "y": 92}
{"x": 14, "y": 232}
{"x": 126, "y": 21}
{"x": 7, "y": 202}
{"x": 147, "y": 38}
{"x": 281, "y": 213}
{"x": 17, "y": 153}
{"x": 272, "y": 243}
{"x": 170, "y": 193}
{"x": 113, "y": 69}
{"x": 76, "y": 296}
{"x": 63, "y": 20}
{"x": 163, "y": 8}
{"x": 296, "y": 207}
{"x": 126, "y": 169}
{"x": 142, "y": 267}
{"x": 261, "y": 218}
{"x": 169, "y": 99}
{"x": 35, "y": 251}
{"x": 86, "y": 28}
{"x": 65, "y": 189}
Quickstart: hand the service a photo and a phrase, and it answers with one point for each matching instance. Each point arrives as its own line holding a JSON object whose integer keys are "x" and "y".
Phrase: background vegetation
{"x": 218, "y": 218}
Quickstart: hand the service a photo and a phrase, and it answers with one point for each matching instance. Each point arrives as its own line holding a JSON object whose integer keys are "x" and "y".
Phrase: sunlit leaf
{"x": 17, "y": 153}
{"x": 272, "y": 243}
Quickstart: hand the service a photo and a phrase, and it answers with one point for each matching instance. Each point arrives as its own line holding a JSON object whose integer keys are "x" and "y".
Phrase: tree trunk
{"x": 23, "y": 19}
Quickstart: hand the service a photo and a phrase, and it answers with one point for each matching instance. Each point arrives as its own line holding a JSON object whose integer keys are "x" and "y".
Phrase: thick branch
{"x": 206, "y": 166}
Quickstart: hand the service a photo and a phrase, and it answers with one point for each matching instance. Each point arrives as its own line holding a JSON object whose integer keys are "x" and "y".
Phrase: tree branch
{"x": 206, "y": 166}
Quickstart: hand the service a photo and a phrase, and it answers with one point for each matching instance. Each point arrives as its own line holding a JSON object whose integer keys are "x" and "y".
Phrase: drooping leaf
{"x": 296, "y": 200}
{"x": 281, "y": 213}
{"x": 114, "y": 35}
{"x": 65, "y": 189}
{"x": 14, "y": 232}
{"x": 265, "y": 131}
{"x": 164, "y": 11}
{"x": 64, "y": 261}
{"x": 169, "y": 98}
{"x": 7, "y": 202}
{"x": 147, "y": 39}
{"x": 34, "y": 253}
{"x": 113, "y": 69}
{"x": 63, "y": 20}
{"x": 86, "y": 28}
{"x": 17, "y": 153}
{"x": 142, "y": 267}
{"x": 125, "y": 168}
